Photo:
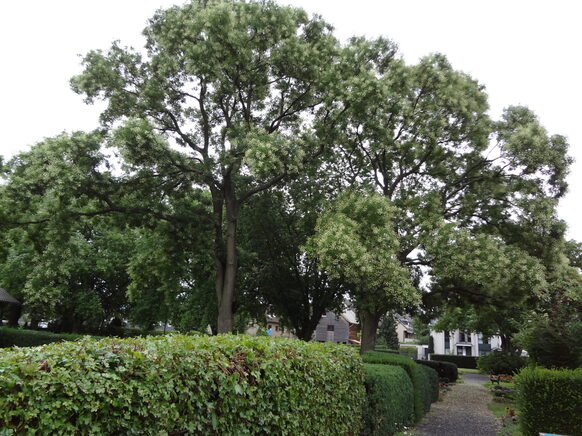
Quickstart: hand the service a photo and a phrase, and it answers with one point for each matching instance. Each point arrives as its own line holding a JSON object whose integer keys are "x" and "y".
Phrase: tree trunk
{"x": 226, "y": 262}
{"x": 14, "y": 315}
{"x": 370, "y": 322}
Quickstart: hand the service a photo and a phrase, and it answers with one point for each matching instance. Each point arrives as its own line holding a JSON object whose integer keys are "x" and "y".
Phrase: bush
{"x": 412, "y": 369}
{"x": 431, "y": 379}
{"x": 501, "y": 362}
{"x": 389, "y": 403}
{"x": 555, "y": 348}
{"x": 224, "y": 385}
{"x": 550, "y": 401}
{"x": 469, "y": 362}
{"x": 409, "y": 351}
{"x": 446, "y": 370}
{"x": 11, "y": 337}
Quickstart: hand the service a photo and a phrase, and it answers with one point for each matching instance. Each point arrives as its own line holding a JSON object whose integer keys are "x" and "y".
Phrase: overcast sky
{"x": 524, "y": 52}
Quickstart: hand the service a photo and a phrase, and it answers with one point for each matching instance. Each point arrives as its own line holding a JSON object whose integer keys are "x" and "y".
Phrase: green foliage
{"x": 356, "y": 242}
{"x": 550, "y": 401}
{"x": 387, "y": 332}
{"x": 446, "y": 370}
{"x": 408, "y": 351}
{"x": 223, "y": 385}
{"x": 469, "y": 362}
{"x": 420, "y": 382}
{"x": 501, "y": 362}
{"x": 552, "y": 346}
{"x": 431, "y": 379}
{"x": 389, "y": 403}
{"x": 11, "y": 337}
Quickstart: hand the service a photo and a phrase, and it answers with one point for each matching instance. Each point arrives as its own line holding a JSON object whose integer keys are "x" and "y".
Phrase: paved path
{"x": 463, "y": 412}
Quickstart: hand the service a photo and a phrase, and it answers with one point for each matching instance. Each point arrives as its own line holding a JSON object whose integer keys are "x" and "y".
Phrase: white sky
{"x": 524, "y": 52}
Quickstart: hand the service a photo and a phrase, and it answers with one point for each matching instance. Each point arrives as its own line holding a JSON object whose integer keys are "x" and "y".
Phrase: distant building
{"x": 404, "y": 328}
{"x": 337, "y": 328}
{"x": 273, "y": 323}
{"x": 460, "y": 343}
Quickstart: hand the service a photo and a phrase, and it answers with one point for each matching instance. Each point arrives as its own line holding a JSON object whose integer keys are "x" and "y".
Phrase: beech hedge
{"x": 550, "y": 401}
{"x": 10, "y": 337}
{"x": 431, "y": 379}
{"x": 389, "y": 404}
{"x": 469, "y": 362}
{"x": 174, "y": 385}
{"x": 422, "y": 389}
{"x": 446, "y": 370}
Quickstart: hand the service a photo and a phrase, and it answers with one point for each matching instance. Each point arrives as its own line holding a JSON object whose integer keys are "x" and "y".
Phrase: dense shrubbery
{"x": 225, "y": 385}
{"x": 552, "y": 347}
{"x": 10, "y": 337}
{"x": 446, "y": 370}
{"x": 409, "y": 351}
{"x": 501, "y": 362}
{"x": 550, "y": 401}
{"x": 389, "y": 401}
{"x": 431, "y": 379}
{"x": 469, "y": 362}
{"x": 418, "y": 378}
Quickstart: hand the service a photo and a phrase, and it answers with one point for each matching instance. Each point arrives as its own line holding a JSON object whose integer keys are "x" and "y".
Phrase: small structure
{"x": 337, "y": 328}
{"x": 273, "y": 323}
{"x": 5, "y": 299}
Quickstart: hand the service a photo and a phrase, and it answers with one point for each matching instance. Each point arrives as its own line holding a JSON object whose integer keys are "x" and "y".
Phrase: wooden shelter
{"x": 5, "y": 299}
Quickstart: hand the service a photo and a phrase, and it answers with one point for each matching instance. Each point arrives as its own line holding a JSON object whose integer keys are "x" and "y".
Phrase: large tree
{"x": 232, "y": 96}
{"x": 355, "y": 242}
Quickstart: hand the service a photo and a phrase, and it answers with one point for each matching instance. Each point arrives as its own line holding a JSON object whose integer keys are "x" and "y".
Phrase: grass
{"x": 502, "y": 408}
{"x": 469, "y": 371}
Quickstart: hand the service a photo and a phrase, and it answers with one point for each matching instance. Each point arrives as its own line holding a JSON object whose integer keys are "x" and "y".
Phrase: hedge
{"x": 389, "y": 404}
{"x": 501, "y": 362}
{"x": 469, "y": 362}
{"x": 550, "y": 401}
{"x": 446, "y": 370}
{"x": 414, "y": 372}
{"x": 10, "y": 337}
{"x": 432, "y": 381}
{"x": 176, "y": 384}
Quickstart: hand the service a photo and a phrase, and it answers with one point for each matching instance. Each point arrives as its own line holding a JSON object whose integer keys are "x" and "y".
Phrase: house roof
{"x": 350, "y": 316}
{"x": 5, "y": 297}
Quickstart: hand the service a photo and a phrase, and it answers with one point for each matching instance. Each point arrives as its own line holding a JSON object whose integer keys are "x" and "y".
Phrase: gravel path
{"x": 463, "y": 412}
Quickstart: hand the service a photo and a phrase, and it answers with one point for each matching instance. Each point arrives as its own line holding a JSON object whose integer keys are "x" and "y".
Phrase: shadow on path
{"x": 463, "y": 412}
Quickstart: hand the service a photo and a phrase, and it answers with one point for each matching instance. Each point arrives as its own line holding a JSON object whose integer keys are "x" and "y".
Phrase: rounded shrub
{"x": 389, "y": 403}
{"x": 447, "y": 371}
{"x": 419, "y": 379}
{"x": 501, "y": 362}
{"x": 222, "y": 385}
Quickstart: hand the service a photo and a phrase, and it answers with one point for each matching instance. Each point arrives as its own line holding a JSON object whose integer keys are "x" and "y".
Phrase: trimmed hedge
{"x": 550, "y": 401}
{"x": 389, "y": 404}
{"x": 413, "y": 370}
{"x": 500, "y": 362}
{"x": 445, "y": 370}
{"x": 469, "y": 362}
{"x": 224, "y": 385}
{"x": 432, "y": 381}
{"x": 11, "y": 337}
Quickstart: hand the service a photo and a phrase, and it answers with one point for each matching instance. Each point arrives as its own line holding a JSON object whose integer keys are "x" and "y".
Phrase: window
{"x": 330, "y": 327}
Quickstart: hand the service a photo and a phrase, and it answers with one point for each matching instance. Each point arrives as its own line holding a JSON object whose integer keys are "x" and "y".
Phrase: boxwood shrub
{"x": 389, "y": 403}
{"x": 550, "y": 401}
{"x": 431, "y": 378}
{"x": 446, "y": 370}
{"x": 10, "y": 337}
{"x": 413, "y": 370}
{"x": 225, "y": 385}
{"x": 469, "y": 362}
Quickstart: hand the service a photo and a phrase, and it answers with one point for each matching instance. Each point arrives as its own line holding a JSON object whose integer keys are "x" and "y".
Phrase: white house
{"x": 462, "y": 343}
